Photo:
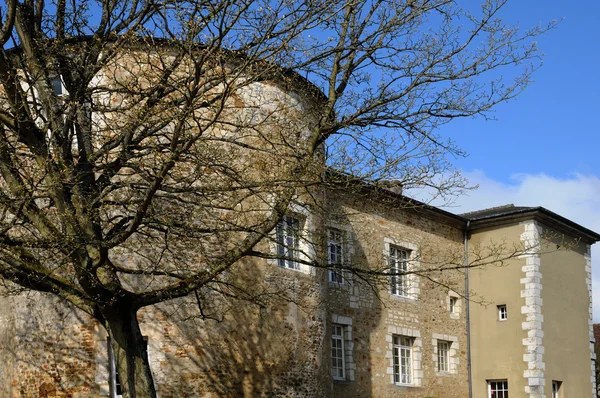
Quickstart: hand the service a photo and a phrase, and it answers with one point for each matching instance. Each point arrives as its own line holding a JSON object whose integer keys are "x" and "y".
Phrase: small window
{"x": 335, "y": 255}
{"x": 288, "y": 242}
{"x": 502, "y": 314}
{"x": 402, "y": 352}
{"x": 453, "y": 304}
{"x": 116, "y": 390}
{"x": 498, "y": 389}
{"x": 57, "y": 86}
{"x": 338, "y": 366}
{"x": 399, "y": 279}
{"x": 443, "y": 351}
{"x": 556, "y": 388}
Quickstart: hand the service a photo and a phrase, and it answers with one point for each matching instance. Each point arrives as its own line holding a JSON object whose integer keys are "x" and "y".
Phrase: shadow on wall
{"x": 354, "y": 300}
{"x": 268, "y": 347}
{"x": 46, "y": 347}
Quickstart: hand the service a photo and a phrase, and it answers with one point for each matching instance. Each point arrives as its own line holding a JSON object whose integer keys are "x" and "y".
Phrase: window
{"x": 443, "y": 351}
{"x": 402, "y": 352}
{"x": 342, "y": 360}
{"x": 338, "y": 366}
{"x": 453, "y": 303}
{"x": 556, "y": 388}
{"x": 288, "y": 242}
{"x": 502, "y": 314}
{"x": 57, "y": 86}
{"x": 398, "y": 261}
{"x": 498, "y": 389}
{"x": 115, "y": 381}
{"x": 335, "y": 256}
{"x": 116, "y": 390}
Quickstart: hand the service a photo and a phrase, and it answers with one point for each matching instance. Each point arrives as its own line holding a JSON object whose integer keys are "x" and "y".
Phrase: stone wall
{"x": 48, "y": 349}
{"x": 377, "y": 316}
{"x": 279, "y": 343}
{"x": 246, "y": 350}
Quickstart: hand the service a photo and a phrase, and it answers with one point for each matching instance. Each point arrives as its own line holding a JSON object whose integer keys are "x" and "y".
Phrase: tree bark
{"x": 130, "y": 350}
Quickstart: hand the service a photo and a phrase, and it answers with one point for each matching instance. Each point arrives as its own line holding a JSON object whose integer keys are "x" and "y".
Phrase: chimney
{"x": 394, "y": 186}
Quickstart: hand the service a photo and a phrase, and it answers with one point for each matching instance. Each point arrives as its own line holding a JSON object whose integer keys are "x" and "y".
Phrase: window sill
{"x": 406, "y": 299}
{"x": 338, "y": 284}
{"x": 406, "y": 386}
{"x": 338, "y": 380}
{"x": 445, "y": 374}
{"x": 291, "y": 269}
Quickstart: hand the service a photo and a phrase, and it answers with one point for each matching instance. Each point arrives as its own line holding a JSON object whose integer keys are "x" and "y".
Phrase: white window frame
{"x": 56, "y": 83}
{"x": 398, "y": 259}
{"x": 287, "y": 236}
{"x": 114, "y": 379}
{"x": 453, "y": 305}
{"x": 338, "y": 352}
{"x": 413, "y": 289}
{"x": 502, "y": 312}
{"x": 402, "y": 348}
{"x": 443, "y": 356}
{"x": 502, "y": 389}
{"x": 556, "y": 385}
{"x": 348, "y": 345}
{"x": 335, "y": 255}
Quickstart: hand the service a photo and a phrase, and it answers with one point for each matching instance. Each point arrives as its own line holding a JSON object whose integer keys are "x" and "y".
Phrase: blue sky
{"x": 550, "y": 128}
{"x": 542, "y": 150}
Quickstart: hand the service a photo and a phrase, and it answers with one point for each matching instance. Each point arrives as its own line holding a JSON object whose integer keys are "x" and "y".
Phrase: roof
{"x": 494, "y": 211}
{"x": 490, "y": 217}
{"x": 505, "y": 214}
{"x": 388, "y": 194}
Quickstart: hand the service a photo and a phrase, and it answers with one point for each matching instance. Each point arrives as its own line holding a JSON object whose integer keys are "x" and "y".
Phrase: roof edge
{"x": 540, "y": 214}
{"x": 341, "y": 180}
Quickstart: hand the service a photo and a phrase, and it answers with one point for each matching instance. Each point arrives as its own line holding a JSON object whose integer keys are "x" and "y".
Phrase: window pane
{"x": 398, "y": 264}
{"x": 498, "y": 389}
{"x": 337, "y": 352}
{"x": 442, "y": 356}
{"x": 335, "y": 255}
{"x": 57, "y": 86}
{"x": 402, "y": 353}
{"x": 287, "y": 242}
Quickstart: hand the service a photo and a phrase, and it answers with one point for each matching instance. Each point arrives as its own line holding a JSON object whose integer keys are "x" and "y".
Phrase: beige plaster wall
{"x": 497, "y": 348}
{"x": 566, "y": 315}
{"x": 547, "y": 334}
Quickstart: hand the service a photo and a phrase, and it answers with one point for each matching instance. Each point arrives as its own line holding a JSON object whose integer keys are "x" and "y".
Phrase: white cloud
{"x": 576, "y": 197}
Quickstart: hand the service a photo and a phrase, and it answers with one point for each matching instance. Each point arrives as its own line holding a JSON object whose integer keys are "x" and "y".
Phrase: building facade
{"x": 534, "y": 336}
{"x": 362, "y": 292}
{"x": 339, "y": 334}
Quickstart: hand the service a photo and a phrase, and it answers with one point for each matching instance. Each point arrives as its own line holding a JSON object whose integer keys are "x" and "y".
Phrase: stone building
{"x": 339, "y": 337}
{"x": 342, "y": 337}
{"x": 364, "y": 296}
{"x": 597, "y": 352}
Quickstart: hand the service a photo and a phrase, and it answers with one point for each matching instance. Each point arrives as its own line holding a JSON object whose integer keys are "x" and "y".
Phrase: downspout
{"x": 467, "y": 313}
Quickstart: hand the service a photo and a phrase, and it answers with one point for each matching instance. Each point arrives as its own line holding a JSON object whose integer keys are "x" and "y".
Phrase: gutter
{"x": 467, "y": 313}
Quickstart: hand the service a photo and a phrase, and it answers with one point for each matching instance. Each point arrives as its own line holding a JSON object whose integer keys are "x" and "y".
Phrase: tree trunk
{"x": 130, "y": 351}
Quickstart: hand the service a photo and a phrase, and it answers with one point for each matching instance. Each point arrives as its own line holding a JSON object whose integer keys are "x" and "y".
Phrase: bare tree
{"x": 138, "y": 135}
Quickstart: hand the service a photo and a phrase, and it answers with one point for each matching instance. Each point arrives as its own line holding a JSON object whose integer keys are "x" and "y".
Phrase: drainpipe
{"x": 467, "y": 314}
